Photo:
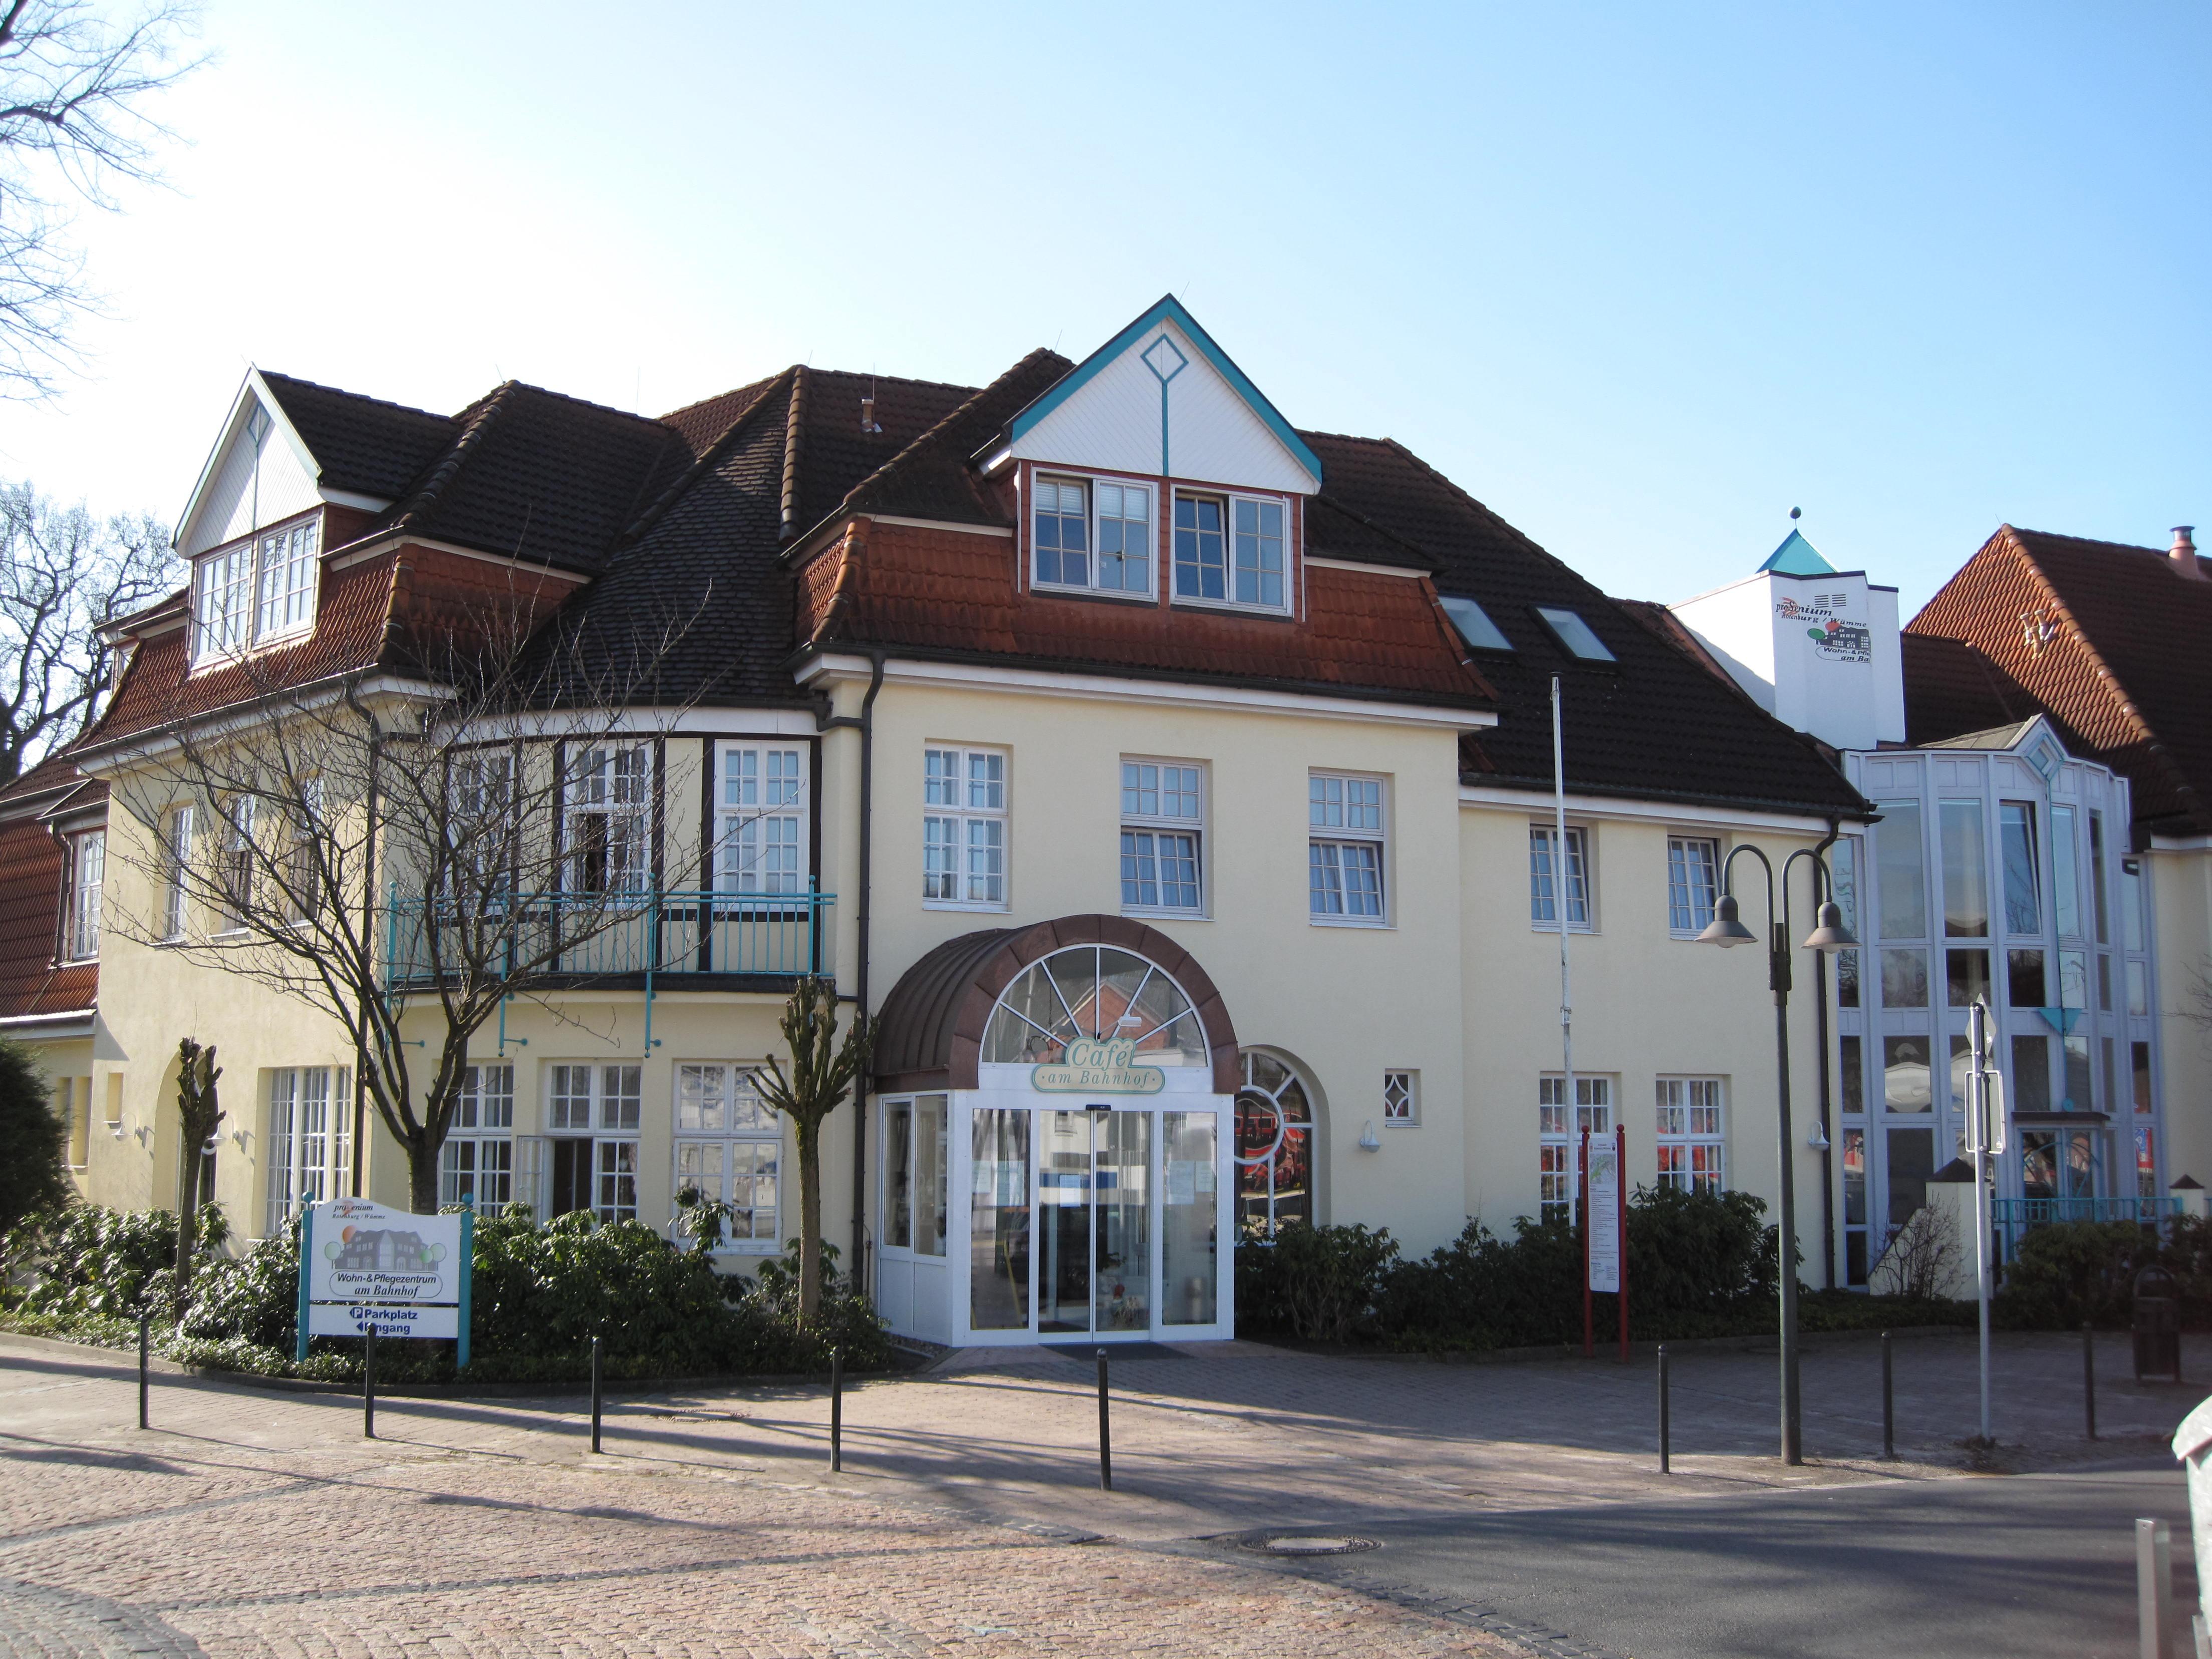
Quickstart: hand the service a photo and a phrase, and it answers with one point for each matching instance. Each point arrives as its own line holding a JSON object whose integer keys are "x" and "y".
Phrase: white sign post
{"x": 1985, "y": 1135}
{"x": 364, "y": 1264}
{"x": 1605, "y": 1227}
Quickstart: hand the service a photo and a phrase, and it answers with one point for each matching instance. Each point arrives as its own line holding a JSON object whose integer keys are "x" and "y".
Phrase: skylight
{"x": 1574, "y": 633}
{"x": 1474, "y": 624}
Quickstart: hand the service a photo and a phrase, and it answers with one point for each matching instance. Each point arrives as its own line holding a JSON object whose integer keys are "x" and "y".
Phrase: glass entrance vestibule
{"x": 1083, "y": 1192}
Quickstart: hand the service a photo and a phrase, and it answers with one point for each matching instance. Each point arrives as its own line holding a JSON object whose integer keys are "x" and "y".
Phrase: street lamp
{"x": 1829, "y": 934}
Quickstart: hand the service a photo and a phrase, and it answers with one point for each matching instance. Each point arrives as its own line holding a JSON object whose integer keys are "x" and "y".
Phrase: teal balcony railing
{"x": 623, "y": 935}
{"x": 2013, "y": 1218}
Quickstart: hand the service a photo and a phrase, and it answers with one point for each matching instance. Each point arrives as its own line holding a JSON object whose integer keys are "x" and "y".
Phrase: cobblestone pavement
{"x": 967, "y": 1521}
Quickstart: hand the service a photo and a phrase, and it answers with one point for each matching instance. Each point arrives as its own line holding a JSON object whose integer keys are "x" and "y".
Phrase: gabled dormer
{"x": 1155, "y": 471}
{"x": 295, "y": 470}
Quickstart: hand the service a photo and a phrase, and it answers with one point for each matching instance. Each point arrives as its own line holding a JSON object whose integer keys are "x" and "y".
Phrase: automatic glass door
{"x": 1094, "y": 1222}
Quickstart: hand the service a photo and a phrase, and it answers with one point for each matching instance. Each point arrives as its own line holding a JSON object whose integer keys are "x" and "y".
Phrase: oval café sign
{"x": 1098, "y": 1065}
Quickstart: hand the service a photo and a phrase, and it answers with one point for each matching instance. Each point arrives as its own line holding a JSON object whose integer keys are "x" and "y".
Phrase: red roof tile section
{"x": 2108, "y": 639}
{"x": 32, "y": 981}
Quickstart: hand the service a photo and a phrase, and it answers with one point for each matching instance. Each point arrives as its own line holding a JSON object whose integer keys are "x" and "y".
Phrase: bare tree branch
{"x": 64, "y": 576}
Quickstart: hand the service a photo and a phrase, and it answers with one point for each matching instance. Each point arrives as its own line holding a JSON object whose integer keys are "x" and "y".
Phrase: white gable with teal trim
{"x": 1161, "y": 397}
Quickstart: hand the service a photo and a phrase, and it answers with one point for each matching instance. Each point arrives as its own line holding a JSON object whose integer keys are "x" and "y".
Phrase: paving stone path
{"x": 254, "y": 1522}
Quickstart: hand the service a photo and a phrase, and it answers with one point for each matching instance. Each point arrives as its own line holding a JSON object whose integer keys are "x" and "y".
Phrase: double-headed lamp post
{"x": 1829, "y": 934}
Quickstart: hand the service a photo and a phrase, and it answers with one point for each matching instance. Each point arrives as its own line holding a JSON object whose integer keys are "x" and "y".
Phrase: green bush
{"x": 1315, "y": 1283}
{"x": 2069, "y": 1272}
{"x": 538, "y": 1297}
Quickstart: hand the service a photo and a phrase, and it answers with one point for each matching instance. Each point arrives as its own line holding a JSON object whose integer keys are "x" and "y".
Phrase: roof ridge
{"x": 931, "y": 431}
{"x": 709, "y": 458}
{"x": 2130, "y": 711}
{"x": 849, "y": 373}
{"x": 583, "y": 402}
{"x": 481, "y": 414}
{"x": 341, "y": 391}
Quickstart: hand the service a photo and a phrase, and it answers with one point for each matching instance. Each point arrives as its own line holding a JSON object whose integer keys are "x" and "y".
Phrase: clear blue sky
{"x": 1642, "y": 278}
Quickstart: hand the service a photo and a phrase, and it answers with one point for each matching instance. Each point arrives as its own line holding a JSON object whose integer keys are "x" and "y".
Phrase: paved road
{"x": 2005, "y": 1568}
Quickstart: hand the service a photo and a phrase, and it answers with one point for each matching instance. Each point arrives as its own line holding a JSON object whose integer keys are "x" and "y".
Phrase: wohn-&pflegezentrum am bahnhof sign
{"x": 364, "y": 1264}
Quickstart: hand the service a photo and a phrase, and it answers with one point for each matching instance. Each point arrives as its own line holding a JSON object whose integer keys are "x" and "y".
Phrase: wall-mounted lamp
{"x": 1369, "y": 1140}
{"x": 1818, "y": 1140}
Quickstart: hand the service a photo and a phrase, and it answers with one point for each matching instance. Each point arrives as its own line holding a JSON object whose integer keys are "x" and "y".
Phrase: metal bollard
{"x": 2153, "y": 1589}
{"x": 142, "y": 1370}
{"x": 595, "y": 1394}
{"x": 1664, "y": 1447}
{"x": 1105, "y": 1431}
{"x": 836, "y": 1411}
{"x": 1889, "y": 1405}
{"x": 368, "y": 1387}
{"x": 2089, "y": 1376}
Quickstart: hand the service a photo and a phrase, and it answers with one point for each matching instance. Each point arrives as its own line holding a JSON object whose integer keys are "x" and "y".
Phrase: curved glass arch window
{"x": 1094, "y": 992}
{"x": 1274, "y": 1147}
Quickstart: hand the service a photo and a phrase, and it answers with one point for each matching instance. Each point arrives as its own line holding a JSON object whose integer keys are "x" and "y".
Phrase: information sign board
{"x": 363, "y": 1263}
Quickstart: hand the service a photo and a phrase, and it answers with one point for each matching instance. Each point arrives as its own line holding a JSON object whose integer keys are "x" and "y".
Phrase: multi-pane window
{"x": 303, "y": 879}
{"x": 1544, "y": 881}
{"x": 603, "y": 1102}
{"x": 729, "y": 1149}
{"x": 88, "y": 875}
{"x": 761, "y": 841}
{"x": 1693, "y": 1146}
{"x": 262, "y": 588}
{"x": 1401, "y": 1098}
{"x": 1559, "y": 1132}
{"x": 1163, "y": 824}
{"x": 235, "y": 865}
{"x": 963, "y": 826}
{"x": 1061, "y": 532}
{"x": 1116, "y": 559}
{"x": 1693, "y": 883}
{"x": 1343, "y": 849}
{"x": 604, "y": 836}
{"x": 1231, "y": 549}
{"x": 481, "y": 832}
{"x": 477, "y": 1164}
{"x": 310, "y": 1141}
{"x": 176, "y": 870}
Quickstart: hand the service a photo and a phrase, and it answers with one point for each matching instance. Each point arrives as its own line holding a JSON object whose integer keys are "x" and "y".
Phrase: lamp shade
{"x": 1724, "y": 929}
{"x": 1831, "y": 934}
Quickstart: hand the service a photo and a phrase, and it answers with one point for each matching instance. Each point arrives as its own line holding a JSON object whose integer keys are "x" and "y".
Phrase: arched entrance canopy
{"x": 934, "y": 1023}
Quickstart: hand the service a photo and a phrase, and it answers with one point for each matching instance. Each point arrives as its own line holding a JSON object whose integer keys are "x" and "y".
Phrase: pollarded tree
{"x": 200, "y": 1109}
{"x": 406, "y": 853}
{"x": 822, "y": 1073}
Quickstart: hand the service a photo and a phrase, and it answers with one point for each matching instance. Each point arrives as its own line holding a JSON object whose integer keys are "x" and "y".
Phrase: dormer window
{"x": 1230, "y": 550}
{"x": 254, "y": 591}
{"x": 1111, "y": 553}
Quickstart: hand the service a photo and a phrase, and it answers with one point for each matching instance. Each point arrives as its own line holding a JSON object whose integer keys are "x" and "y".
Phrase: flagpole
{"x": 1561, "y": 890}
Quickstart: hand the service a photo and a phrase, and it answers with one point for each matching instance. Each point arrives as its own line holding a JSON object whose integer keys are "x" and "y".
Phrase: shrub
{"x": 2072, "y": 1271}
{"x": 114, "y": 1264}
{"x": 1315, "y": 1282}
{"x": 34, "y": 1141}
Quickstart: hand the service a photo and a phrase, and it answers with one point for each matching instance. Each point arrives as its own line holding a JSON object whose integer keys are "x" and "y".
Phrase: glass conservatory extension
{"x": 1083, "y": 1190}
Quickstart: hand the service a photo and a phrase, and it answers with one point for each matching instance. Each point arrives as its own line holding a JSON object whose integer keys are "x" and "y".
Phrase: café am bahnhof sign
{"x": 1106, "y": 1066}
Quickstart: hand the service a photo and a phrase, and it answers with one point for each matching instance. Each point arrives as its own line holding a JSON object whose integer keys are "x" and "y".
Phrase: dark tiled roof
{"x": 1654, "y": 725}
{"x": 2118, "y": 660}
{"x": 361, "y": 444}
{"x": 1951, "y": 688}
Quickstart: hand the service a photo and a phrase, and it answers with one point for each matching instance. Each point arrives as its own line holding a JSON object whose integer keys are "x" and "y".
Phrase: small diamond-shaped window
{"x": 1164, "y": 358}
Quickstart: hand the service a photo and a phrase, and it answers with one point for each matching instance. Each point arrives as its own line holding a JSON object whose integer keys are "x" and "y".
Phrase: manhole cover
{"x": 1309, "y": 1544}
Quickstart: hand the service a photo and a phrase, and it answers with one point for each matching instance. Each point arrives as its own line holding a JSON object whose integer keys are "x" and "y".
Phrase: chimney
{"x": 2184, "y": 554}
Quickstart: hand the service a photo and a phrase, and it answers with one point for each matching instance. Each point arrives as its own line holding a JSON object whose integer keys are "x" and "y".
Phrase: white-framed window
{"x": 602, "y": 1105}
{"x": 614, "y": 1181}
{"x": 234, "y": 871}
{"x": 1232, "y": 550}
{"x": 963, "y": 827}
{"x": 1693, "y": 863}
{"x": 481, "y": 833}
{"x": 477, "y": 1164}
{"x": 1401, "y": 1099}
{"x": 1163, "y": 835}
{"x": 1344, "y": 847}
{"x": 586, "y": 1099}
{"x": 761, "y": 835}
{"x": 915, "y": 1148}
{"x": 176, "y": 872}
{"x": 1092, "y": 534}
{"x": 604, "y": 837}
{"x": 303, "y": 866}
{"x": 310, "y": 1140}
{"x": 88, "y": 875}
{"x": 729, "y": 1147}
{"x": 1559, "y": 1132}
{"x": 256, "y": 590}
{"x": 1692, "y": 1138}
{"x": 1543, "y": 878}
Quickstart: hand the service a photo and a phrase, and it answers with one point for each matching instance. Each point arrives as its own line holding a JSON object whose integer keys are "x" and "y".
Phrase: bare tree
{"x": 76, "y": 93}
{"x": 405, "y": 853}
{"x": 822, "y": 1073}
{"x": 1921, "y": 1259}
{"x": 64, "y": 576}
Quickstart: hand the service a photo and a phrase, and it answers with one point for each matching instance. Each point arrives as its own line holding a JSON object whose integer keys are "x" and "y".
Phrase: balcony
{"x": 712, "y": 940}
